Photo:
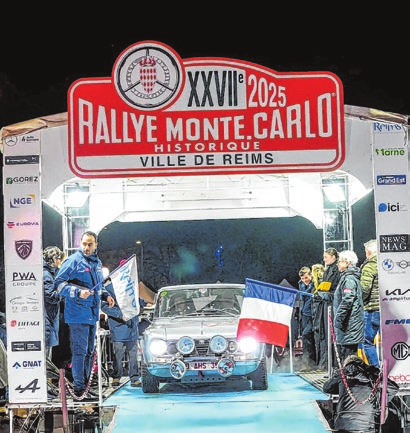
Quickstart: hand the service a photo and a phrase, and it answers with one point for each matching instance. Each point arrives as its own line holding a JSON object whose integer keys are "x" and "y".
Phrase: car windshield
{"x": 200, "y": 301}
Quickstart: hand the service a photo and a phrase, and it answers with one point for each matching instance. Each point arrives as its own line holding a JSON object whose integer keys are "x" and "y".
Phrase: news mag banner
{"x": 24, "y": 270}
{"x": 392, "y": 204}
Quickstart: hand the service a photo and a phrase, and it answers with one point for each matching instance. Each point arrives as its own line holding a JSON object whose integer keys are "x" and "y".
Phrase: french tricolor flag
{"x": 266, "y": 312}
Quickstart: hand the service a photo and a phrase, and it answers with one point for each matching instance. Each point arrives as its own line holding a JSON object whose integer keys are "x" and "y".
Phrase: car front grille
{"x": 201, "y": 346}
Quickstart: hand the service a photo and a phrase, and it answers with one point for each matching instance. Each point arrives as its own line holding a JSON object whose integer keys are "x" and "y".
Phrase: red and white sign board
{"x": 158, "y": 115}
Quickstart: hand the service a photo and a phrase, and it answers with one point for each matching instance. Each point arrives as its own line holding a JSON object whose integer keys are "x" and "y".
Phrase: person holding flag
{"x": 80, "y": 282}
{"x": 123, "y": 320}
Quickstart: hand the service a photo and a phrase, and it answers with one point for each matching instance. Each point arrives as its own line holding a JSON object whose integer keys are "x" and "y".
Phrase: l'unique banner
{"x": 392, "y": 204}
{"x": 160, "y": 115}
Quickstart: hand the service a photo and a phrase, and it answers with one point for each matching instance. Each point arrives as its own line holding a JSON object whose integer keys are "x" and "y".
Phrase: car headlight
{"x": 158, "y": 347}
{"x": 248, "y": 345}
{"x": 185, "y": 345}
{"x": 218, "y": 344}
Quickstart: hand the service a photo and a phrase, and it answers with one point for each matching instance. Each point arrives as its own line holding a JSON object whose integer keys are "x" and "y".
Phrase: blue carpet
{"x": 285, "y": 407}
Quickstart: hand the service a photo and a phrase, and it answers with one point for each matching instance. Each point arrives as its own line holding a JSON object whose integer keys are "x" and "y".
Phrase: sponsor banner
{"x": 161, "y": 115}
{"x": 397, "y": 350}
{"x": 22, "y": 215}
{"x": 24, "y": 268}
{"x": 24, "y": 244}
{"x": 394, "y": 243}
{"x": 22, "y": 145}
{"x": 26, "y": 384}
{"x": 32, "y": 328}
{"x": 24, "y": 279}
{"x": 24, "y": 304}
{"x": 390, "y": 159}
{"x": 20, "y": 178}
{"x": 396, "y": 266}
{"x": 390, "y": 151}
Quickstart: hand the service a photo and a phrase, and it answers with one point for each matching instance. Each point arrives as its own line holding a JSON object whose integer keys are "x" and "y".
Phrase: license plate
{"x": 202, "y": 365}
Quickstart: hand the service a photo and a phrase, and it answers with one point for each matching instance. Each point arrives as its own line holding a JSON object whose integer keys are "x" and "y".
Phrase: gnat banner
{"x": 160, "y": 115}
{"x": 26, "y": 364}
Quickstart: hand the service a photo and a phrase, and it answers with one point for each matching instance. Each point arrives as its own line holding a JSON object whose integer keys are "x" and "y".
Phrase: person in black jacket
{"x": 348, "y": 322}
{"x": 52, "y": 258}
{"x": 359, "y": 405}
{"x": 331, "y": 274}
{"x": 306, "y": 287}
{"x": 320, "y": 303}
{"x": 124, "y": 336}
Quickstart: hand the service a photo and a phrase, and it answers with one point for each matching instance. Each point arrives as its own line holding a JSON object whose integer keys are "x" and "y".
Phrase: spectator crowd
{"x": 346, "y": 297}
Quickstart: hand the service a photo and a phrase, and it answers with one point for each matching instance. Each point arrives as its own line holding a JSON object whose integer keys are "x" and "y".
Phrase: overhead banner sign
{"x": 159, "y": 115}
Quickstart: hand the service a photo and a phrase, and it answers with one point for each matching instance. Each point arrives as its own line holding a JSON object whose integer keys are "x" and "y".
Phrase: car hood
{"x": 170, "y": 329}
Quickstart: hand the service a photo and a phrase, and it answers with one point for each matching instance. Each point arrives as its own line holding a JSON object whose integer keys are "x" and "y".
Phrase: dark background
{"x": 43, "y": 50}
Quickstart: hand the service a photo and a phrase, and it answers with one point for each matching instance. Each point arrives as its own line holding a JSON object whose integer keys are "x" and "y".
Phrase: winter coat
{"x": 306, "y": 300}
{"x": 51, "y": 305}
{"x": 370, "y": 284}
{"x": 332, "y": 275}
{"x": 79, "y": 272}
{"x": 348, "y": 308}
{"x": 120, "y": 330}
{"x": 361, "y": 379}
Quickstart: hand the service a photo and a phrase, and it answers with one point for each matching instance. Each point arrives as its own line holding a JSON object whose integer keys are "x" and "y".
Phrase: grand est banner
{"x": 161, "y": 115}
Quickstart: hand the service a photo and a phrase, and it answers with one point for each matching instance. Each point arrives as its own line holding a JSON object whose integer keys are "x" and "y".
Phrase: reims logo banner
{"x": 159, "y": 115}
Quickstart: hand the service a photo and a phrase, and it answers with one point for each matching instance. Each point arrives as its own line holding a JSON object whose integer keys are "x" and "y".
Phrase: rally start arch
{"x": 221, "y": 133}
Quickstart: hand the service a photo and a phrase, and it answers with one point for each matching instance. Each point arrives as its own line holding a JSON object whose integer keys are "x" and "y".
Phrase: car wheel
{"x": 150, "y": 383}
{"x": 259, "y": 377}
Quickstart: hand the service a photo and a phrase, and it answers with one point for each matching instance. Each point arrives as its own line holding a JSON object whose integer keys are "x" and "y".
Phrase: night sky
{"x": 42, "y": 54}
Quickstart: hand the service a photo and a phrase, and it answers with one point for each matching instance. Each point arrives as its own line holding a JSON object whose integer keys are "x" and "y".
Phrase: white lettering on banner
{"x": 97, "y": 127}
{"x": 273, "y": 127}
{"x": 104, "y": 129}
{"x": 198, "y": 106}
{"x": 207, "y": 147}
{"x": 197, "y": 129}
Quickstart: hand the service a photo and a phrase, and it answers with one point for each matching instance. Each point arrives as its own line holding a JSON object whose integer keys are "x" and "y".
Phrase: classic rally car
{"x": 192, "y": 339}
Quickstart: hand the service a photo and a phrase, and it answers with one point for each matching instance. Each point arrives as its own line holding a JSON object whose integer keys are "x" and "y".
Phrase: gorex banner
{"x": 160, "y": 115}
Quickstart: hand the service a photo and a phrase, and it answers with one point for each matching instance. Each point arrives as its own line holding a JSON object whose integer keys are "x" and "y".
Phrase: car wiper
{"x": 209, "y": 311}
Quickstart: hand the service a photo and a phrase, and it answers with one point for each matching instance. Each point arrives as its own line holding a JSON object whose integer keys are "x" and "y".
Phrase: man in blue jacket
{"x": 80, "y": 282}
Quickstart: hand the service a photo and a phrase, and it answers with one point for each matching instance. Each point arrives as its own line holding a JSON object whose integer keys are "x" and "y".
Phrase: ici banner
{"x": 392, "y": 204}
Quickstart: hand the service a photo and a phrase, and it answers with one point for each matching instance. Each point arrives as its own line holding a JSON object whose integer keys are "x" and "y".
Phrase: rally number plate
{"x": 202, "y": 365}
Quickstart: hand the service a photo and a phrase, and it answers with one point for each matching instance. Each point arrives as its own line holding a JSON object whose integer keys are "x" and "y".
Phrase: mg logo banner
{"x": 158, "y": 115}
